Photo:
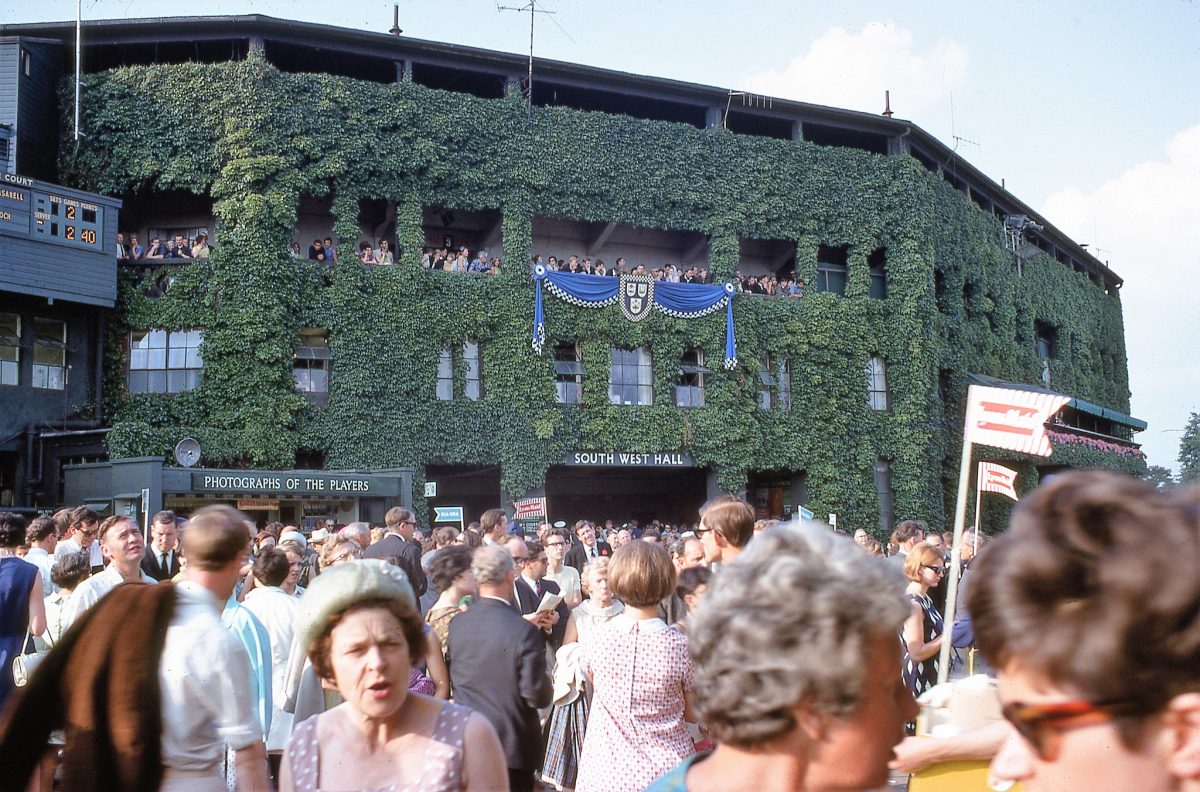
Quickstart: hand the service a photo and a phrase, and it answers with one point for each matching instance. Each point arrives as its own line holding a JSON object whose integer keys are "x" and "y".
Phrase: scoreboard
{"x": 39, "y": 211}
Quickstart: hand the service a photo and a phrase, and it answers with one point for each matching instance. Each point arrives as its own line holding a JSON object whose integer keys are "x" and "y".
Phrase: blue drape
{"x": 682, "y": 300}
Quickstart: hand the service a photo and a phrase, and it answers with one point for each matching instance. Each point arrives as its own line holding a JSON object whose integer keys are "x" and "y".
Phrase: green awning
{"x": 1082, "y": 405}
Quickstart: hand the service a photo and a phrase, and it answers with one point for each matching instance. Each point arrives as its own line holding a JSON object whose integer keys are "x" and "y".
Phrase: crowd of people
{"x": 448, "y": 259}
{"x": 178, "y": 247}
{"x": 727, "y": 654}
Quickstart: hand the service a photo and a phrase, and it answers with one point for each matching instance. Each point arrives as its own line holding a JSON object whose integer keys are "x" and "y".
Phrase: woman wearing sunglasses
{"x": 924, "y": 566}
{"x": 1089, "y": 608}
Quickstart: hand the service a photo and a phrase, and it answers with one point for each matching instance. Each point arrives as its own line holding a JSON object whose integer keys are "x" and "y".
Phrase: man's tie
{"x": 162, "y": 563}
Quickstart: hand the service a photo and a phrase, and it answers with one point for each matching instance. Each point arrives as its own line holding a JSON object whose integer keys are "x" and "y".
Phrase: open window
{"x": 689, "y": 385}
{"x": 568, "y": 373}
{"x": 833, "y": 269}
{"x": 311, "y": 364}
{"x": 877, "y": 269}
{"x": 10, "y": 349}
{"x": 775, "y": 383}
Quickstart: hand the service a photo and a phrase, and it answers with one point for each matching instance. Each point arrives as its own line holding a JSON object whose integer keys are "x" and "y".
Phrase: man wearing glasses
{"x": 398, "y": 547}
{"x": 1089, "y": 608}
{"x": 82, "y": 539}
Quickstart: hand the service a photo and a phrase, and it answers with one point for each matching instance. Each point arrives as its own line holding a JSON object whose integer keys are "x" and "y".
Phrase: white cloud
{"x": 1147, "y": 224}
{"x": 852, "y": 70}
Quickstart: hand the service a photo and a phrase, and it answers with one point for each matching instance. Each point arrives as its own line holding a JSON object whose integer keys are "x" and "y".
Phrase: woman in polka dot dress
{"x": 642, "y": 676}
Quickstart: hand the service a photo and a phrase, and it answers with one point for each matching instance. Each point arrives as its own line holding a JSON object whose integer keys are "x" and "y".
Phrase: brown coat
{"x": 100, "y": 683}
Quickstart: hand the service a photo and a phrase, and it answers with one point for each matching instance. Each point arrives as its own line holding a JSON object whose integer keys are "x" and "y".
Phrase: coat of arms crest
{"x": 637, "y": 296}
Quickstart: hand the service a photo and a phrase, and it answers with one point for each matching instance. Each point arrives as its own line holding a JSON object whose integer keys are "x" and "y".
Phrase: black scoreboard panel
{"x": 67, "y": 221}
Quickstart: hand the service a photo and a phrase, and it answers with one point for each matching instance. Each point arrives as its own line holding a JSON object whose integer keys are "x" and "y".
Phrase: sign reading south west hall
{"x": 629, "y": 459}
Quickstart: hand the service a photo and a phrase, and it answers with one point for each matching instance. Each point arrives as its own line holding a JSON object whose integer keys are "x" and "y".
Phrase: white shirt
{"x": 70, "y": 547}
{"x": 89, "y": 592}
{"x": 42, "y": 560}
{"x": 568, "y": 582}
{"x": 204, "y": 676}
{"x": 277, "y": 610}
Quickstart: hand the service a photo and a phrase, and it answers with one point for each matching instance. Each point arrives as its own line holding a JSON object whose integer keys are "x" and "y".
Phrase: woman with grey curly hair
{"x": 798, "y": 667}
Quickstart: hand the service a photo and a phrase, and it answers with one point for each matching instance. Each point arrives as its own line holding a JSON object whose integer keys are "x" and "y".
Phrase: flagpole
{"x": 978, "y": 502}
{"x": 960, "y": 515}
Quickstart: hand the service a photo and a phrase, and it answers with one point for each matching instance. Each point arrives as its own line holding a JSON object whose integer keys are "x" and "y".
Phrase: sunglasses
{"x": 941, "y": 570}
{"x": 1041, "y": 724}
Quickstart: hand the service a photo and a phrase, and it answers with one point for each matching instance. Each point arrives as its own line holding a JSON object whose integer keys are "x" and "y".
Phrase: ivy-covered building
{"x": 921, "y": 272}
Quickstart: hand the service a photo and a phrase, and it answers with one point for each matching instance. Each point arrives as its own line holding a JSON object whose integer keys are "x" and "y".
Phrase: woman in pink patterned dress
{"x": 642, "y": 676}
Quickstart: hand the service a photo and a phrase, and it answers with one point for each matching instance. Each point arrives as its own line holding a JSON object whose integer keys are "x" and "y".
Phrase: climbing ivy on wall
{"x": 256, "y": 140}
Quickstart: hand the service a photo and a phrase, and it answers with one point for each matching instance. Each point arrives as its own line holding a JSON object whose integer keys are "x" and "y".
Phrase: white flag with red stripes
{"x": 1012, "y": 419}
{"x": 998, "y": 479}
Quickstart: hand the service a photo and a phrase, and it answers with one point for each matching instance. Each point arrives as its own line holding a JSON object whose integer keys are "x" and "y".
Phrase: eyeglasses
{"x": 1039, "y": 723}
{"x": 940, "y": 570}
{"x": 92, "y": 532}
{"x": 520, "y": 559}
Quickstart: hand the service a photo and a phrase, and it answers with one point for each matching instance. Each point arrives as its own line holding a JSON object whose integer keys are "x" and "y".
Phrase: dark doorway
{"x": 671, "y": 495}
{"x": 476, "y": 488}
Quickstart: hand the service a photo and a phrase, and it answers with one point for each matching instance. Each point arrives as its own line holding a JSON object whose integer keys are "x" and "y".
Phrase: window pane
{"x": 474, "y": 390}
{"x": 445, "y": 368}
{"x": 837, "y": 282}
{"x": 9, "y": 371}
{"x": 302, "y": 379}
{"x": 320, "y": 379}
{"x": 157, "y": 339}
{"x": 193, "y": 379}
{"x": 39, "y": 376}
{"x": 176, "y": 381}
{"x": 195, "y": 337}
{"x": 138, "y": 381}
{"x": 138, "y": 358}
{"x": 445, "y": 390}
{"x": 158, "y": 359}
{"x": 192, "y": 359}
{"x": 176, "y": 357}
{"x": 177, "y": 339}
{"x": 48, "y": 355}
{"x": 50, "y": 330}
{"x": 157, "y": 382}
{"x": 645, "y": 395}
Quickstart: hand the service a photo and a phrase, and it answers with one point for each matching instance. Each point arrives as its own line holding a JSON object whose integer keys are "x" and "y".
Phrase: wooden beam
{"x": 696, "y": 251}
{"x": 596, "y": 242}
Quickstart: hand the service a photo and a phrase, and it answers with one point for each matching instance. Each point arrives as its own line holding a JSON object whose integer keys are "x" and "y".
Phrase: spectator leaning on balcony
{"x": 179, "y": 248}
{"x": 384, "y": 255}
{"x": 316, "y": 252}
{"x": 365, "y": 254}
{"x": 201, "y": 249}
{"x": 328, "y": 249}
{"x": 135, "y": 250}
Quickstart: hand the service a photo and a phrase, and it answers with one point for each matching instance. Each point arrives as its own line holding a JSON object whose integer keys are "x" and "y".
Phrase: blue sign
{"x": 803, "y": 514}
{"x": 442, "y": 514}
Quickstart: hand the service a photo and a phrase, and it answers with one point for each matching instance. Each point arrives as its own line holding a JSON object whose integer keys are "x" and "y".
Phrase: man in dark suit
{"x": 530, "y": 559}
{"x": 498, "y": 666}
{"x": 589, "y": 546}
{"x": 398, "y": 547}
{"x": 161, "y": 559}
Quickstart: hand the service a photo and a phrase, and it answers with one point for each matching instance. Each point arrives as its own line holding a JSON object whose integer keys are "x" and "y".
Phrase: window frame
{"x": 568, "y": 373}
{"x": 775, "y": 383}
{"x": 10, "y": 370}
{"x": 689, "y": 383}
{"x": 309, "y": 358}
{"x": 642, "y": 365}
{"x": 879, "y": 394}
{"x": 190, "y": 373}
{"x": 49, "y": 375}
{"x": 472, "y": 356}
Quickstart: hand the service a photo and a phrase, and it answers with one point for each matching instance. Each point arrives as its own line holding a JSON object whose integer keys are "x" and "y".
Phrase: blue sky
{"x": 1087, "y": 110}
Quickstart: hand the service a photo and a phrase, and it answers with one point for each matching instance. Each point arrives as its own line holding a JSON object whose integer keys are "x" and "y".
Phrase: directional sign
{"x": 445, "y": 514}
{"x": 803, "y": 514}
